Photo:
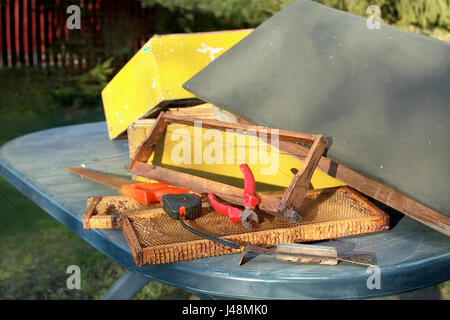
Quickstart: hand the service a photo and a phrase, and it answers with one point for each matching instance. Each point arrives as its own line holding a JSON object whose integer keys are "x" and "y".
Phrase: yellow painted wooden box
{"x": 153, "y": 78}
{"x": 216, "y": 155}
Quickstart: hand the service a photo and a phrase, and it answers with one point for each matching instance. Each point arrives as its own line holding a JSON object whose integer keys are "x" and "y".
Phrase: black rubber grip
{"x": 172, "y": 203}
{"x": 192, "y": 204}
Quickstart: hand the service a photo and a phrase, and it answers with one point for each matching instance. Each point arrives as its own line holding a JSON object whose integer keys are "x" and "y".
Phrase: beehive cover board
{"x": 382, "y": 95}
{"x": 153, "y": 78}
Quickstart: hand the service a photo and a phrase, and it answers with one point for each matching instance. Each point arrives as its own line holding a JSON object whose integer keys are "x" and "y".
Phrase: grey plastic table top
{"x": 410, "y": 255}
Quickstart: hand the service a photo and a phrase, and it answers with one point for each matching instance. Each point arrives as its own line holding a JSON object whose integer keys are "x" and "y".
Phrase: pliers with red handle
{"x": 250, "y": 202}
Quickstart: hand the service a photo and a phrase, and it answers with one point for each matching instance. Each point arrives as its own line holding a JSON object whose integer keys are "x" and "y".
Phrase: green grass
{"x": 444, "y": 290}
{"x": 35, "y": 249}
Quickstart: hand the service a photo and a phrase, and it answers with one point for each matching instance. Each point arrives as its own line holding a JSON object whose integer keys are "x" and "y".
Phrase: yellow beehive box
{"x": 153, "y": 78}
{"x": 212, "y": 154}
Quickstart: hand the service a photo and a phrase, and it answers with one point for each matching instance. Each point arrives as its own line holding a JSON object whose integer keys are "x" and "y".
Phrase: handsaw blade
{"x": 360, "y": 259}
{"x": 100, "y": 177}
{"x": 256, "y": 249}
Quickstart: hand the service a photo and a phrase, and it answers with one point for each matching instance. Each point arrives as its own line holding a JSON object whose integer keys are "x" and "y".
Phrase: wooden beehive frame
{"x": 112, "y": 220}
{"x": 292, "y": 199}
{"x": 143, "y": 254}
{"x": 105, "y": 212}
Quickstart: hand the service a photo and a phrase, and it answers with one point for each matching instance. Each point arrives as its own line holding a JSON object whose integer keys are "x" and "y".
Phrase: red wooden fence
{"x": 35, "y": 33}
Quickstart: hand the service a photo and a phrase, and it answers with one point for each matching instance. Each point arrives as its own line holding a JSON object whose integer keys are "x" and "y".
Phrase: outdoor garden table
{"x": 409, "y": 256}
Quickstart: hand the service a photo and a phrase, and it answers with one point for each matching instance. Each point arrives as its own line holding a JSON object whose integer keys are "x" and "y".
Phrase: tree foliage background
{"x": 202, "y": 15}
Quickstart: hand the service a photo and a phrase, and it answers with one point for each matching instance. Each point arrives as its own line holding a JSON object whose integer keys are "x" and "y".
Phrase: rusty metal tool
{"x": 250, "y": 202}
{"x": 307, "y": 254}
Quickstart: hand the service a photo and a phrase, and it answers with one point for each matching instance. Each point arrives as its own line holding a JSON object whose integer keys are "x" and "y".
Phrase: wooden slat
{"x": 283, "y": 135}
{"x": 50, "y": 37}
{"x": 58, "y": 21}
{"x": 42, "y": 34}
{"x": 204, "y": 111}
{"x": 101, "y": 222}
{"x": 91, "y": 204}
{"x": 133, "y": 242}
{"x": 145, "y": 150}
{"x": 8, "y": 32}
{"x": 34, "y": 46}
{"x": 374, "y": 189}
{"x": 296, "y": 192}
{"x": 198, "y": 184}
{"x": 25, "y": 33}
{"x": 1, "y": 37}
{"x": 17, "y": 31}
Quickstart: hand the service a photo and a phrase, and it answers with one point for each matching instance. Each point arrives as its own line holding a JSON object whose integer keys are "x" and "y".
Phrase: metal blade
{"x": 255, "y": 249}
{"x": 100, "y": 177}
{"x": 361, "y": 259}
{"x": 246, "y": 215}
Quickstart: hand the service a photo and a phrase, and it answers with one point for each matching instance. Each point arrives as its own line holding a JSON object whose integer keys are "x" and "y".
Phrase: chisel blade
{"x": 361, "y": 259}
{"x": 320, "y": 258}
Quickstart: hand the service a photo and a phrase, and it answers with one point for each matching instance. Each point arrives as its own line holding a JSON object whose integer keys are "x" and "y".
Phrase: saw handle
{"x": 146, "y": 193}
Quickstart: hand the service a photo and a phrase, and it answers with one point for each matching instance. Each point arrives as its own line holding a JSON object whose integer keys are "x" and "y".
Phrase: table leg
{"x": 126, "y": 287}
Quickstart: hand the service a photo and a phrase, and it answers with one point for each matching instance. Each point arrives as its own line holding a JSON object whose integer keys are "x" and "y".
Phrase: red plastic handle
{"x": 146, "y": 193}
{"x": 149, "y": 186}
{"x": 250, "y": 201}
{"x": 249, "y": 179}
{"x": 234, "y": 214}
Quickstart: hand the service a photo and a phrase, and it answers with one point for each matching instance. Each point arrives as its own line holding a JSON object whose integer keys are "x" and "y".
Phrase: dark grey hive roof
{"x": 383, "y": 96}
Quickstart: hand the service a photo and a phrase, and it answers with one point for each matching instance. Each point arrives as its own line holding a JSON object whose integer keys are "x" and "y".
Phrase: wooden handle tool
{"x": 307, "y": 254}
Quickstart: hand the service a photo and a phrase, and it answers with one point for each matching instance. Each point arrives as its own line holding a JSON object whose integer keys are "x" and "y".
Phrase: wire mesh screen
{"x": 157, "y": 238}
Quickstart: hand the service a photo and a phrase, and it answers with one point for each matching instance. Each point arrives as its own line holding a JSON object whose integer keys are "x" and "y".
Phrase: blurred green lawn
{"x": 35, "y": 249}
